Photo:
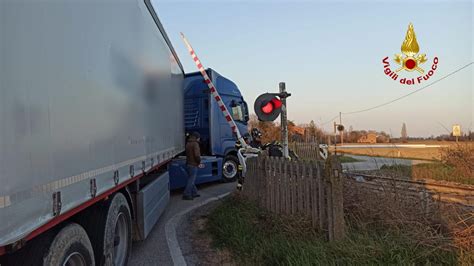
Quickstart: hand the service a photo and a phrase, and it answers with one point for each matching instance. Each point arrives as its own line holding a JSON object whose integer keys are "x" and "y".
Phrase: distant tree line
{"x": 468, "y": 136}
{"x": 312, "y": 133}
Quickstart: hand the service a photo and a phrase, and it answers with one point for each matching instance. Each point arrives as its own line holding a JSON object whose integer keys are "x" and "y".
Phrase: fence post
{"x": 318, "y": 156}
{"x": 275, "y": 184}
{"x": 286, "y": 184}
{"x": 267, "y": 181}
{"x": 322, "y": 199}
{"x": 257, "y": 178}
{"x": 298, "y": 187}
{"x": 263, "y": 181}
{"x": 272, "y": 183}
{"x": 278, "y": 184}
{"x": 247, "y": 191}
{"x": 307, "y": 187}
{"x": 310, "y": 191}
{"x": 292, "y": 170}
{"x": 335, "y": 206}
{"x": 249, "y": 185}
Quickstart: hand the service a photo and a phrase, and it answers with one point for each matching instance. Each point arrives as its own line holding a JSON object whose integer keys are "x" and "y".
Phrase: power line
{"x": 445, "y": 128}
{"x": 401, "y": 97}
{"x": 329, "y": 121}
{"x": 406, "y": 95}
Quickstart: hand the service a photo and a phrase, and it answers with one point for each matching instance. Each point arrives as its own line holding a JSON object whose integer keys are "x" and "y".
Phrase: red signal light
{"x": 276, "y": 103}
{"x": 271, "y": 105}
{"x": 267, "y": 108}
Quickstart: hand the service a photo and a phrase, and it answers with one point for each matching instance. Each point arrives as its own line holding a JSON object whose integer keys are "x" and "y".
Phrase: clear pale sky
{"x": 330, "y": 56}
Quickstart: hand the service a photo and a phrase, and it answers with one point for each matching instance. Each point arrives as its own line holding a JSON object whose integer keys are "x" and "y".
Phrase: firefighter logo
{"x": 410, "y": 60}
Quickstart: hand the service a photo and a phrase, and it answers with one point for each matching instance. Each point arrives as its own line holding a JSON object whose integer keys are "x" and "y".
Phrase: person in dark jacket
{"x": 256, "y": 138}
{"x": 193, "y": 162}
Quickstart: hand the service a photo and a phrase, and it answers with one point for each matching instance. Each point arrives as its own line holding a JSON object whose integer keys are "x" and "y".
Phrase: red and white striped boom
{"x": 214, "y": 93}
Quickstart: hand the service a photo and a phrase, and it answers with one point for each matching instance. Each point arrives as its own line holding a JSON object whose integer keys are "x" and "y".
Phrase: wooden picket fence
{"x": 310, "y": 188}
{"x": 306, "y": 151}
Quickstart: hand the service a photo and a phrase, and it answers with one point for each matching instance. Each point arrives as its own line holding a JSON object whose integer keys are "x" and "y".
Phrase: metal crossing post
{"x": 284, "y": 121}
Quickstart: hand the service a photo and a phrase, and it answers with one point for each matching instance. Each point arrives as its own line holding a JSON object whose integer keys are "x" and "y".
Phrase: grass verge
{"x": 348, "y": 159}
{"x": 256, "y": 237}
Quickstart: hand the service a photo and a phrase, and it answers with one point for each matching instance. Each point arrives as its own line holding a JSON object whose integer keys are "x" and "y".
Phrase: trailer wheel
{"x": 230, "y": 168}
{"x": 117, "y": 238}
{"x": 70, "y": 247}
{"x": 101, "y": 222}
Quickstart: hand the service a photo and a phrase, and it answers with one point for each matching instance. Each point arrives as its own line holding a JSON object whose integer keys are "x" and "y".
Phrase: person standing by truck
{"x": 193, "y": 162}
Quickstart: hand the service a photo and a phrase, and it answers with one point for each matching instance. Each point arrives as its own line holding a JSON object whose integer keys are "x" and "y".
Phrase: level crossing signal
{"x": 268, "y": 106}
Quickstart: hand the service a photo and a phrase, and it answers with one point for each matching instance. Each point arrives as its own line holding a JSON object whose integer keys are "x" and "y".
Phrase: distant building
{"x": 369, "y": 138}
{"x": 296, "y": 133}
{"x": 299, "y": 130}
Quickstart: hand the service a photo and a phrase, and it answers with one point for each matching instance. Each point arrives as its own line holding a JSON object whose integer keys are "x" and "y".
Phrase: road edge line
{"x": 170, "y": 230}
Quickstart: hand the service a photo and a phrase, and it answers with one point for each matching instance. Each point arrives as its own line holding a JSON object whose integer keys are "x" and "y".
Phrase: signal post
{"x": 284, "y": 119}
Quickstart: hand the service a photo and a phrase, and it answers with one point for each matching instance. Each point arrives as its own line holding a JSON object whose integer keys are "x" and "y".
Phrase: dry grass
{"x": 460, "y": 157}
{"x": 432, "y": 224}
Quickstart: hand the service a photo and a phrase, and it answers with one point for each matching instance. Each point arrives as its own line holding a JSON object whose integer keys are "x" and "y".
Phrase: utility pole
{"x": 335, "y": 138}
{"x": 284, "y": 121}
{"x": 342, "y": 131}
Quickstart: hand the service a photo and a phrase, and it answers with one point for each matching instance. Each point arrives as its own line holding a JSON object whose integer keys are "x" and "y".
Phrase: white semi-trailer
{"x": 91, "y": 111}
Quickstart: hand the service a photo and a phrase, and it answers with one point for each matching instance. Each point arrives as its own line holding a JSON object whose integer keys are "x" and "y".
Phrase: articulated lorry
{"x": 94, "y": 107}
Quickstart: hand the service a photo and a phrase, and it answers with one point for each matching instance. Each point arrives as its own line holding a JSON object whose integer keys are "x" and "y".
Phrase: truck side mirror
{"x": 246, "y": 112}
{"x": 237, "y": 113}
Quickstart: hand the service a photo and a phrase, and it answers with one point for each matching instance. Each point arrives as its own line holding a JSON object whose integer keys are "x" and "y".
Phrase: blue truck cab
{"x": 202, "y": 114}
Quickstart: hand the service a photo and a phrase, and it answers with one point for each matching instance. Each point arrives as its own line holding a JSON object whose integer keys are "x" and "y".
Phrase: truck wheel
{"x": 230, "y": 168}
{"x": 117, "y": 238}
{"x": 70, "y": 246}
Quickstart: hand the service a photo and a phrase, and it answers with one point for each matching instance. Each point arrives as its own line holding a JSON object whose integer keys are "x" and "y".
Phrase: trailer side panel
{"x": 88, "y": 90}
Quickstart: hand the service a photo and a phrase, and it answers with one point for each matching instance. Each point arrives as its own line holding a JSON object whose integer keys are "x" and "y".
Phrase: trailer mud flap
{"x": 151, "y": 203}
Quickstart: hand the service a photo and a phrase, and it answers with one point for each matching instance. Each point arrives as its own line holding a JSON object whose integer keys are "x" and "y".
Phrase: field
{"x": 428, "y": 153}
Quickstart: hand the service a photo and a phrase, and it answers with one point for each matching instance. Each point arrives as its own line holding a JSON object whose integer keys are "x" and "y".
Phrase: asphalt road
{"x": 374, "y": 163}
{"x": 154, "y": 250}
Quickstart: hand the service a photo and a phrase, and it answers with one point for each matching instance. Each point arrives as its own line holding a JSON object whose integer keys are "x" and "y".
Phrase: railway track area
{"x": 425, "y": 190}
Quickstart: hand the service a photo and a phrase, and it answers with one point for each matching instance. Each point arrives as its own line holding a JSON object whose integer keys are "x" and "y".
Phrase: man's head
{"x": 256, "y": 134}
{"x": 196, "y": 135}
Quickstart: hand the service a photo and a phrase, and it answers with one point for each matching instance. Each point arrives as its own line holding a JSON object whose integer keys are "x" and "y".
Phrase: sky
{"x": 329, "y": 54}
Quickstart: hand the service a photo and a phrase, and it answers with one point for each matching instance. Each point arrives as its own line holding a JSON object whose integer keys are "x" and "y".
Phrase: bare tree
{"x": 312, "y": 131}
{"x": 404, "y": 133}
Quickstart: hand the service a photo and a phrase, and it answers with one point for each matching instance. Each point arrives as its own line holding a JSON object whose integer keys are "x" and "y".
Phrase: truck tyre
{"x": 115, "y": 244}
{"x": 230, "y": 168}
{"x": 100, "y": 223}
{"x": 71, "y": 246}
